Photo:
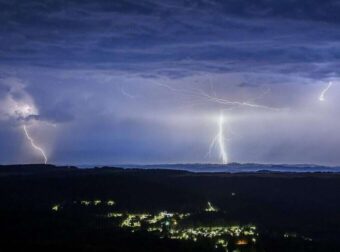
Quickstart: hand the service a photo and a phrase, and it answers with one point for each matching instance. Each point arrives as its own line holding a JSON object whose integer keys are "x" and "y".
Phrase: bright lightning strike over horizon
{"x": 36, "y": 147}
{"x": 322, "y": 95}
{"x": 219, "y": 140}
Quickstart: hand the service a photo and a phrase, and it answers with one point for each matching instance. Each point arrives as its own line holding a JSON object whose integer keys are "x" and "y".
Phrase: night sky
{"x": 145, "y": 81}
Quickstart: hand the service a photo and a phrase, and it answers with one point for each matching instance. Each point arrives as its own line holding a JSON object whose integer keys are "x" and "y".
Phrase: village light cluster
{"x": 166, "y": 224}
{"x": 173, "y": 225}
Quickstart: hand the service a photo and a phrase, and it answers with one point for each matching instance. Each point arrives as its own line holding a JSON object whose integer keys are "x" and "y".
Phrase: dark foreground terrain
{"x": 47, "y": 208}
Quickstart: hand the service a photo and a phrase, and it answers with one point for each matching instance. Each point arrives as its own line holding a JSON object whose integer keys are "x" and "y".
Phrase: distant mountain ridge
{"x": 238, "y": 167}
{"x": 193, "y": 167}
{"x": 33, "y": 168}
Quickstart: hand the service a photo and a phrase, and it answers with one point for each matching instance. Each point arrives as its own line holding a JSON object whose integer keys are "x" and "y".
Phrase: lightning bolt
{"x": 127, "y": 94}
{"x": 34, "y": 145}
{"x": 322, "y": 95}
{"x": 219, "y": 140}
{"x": 202, "y": 95}
{"x": 221, "y": 144}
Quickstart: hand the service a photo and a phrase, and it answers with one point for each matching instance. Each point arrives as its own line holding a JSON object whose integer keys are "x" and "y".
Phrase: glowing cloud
{"x": 18, "y": 106}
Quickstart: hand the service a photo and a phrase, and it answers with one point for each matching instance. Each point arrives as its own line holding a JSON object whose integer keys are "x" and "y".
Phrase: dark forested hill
{"x": 303, "y": 204}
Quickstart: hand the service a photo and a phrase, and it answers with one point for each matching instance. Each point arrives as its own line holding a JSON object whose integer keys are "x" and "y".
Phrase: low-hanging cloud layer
{"x": 109, "y": 82}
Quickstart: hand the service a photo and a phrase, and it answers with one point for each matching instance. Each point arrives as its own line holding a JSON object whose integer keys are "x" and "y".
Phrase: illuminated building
{"x": 211, "y": 208}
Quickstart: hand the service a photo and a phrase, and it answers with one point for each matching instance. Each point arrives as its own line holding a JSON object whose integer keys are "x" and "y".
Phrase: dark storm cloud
{"x": 172, "y": 37}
